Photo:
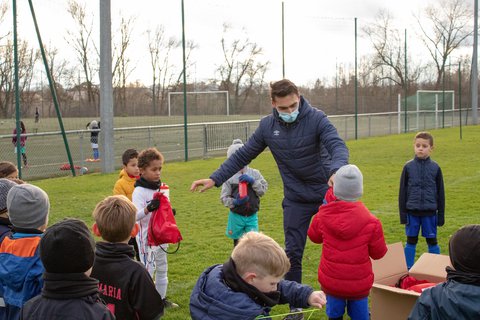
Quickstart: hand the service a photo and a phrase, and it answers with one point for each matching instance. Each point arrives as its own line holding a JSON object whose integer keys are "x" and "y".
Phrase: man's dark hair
{"x": 282, "y": 88}
{"x": 129, "y": 154}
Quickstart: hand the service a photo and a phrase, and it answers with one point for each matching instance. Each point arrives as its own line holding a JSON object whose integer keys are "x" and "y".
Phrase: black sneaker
{"x": 169, "y": 304}
{"x": 295, "y": 314}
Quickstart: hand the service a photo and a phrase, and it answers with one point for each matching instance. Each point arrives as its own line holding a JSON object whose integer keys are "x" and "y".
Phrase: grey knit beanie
{"x": 28, "y": 206}
{"x": 5, "y": 186}
{"x": 348, "y": 183}
{"x": 236, "y": 144}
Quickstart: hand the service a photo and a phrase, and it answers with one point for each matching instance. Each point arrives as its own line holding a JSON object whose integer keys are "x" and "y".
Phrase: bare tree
{"x": 84, "y": 46}
{"x": 160, "y": 49}
{"x": 242, "y": 68}
{"x": 122, "y": 64}
{"x": 27, "y": 58}
{"x": 445, "y": 26}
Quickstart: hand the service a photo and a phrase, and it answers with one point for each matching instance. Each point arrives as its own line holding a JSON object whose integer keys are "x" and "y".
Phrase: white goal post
{"x": 198, "y": 93}
{"x": 434, "y": 99}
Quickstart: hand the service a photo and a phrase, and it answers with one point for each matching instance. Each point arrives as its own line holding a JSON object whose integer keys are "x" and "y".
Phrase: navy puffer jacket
{"x": 422, "y": 191}
{"x": 297, "y": 149}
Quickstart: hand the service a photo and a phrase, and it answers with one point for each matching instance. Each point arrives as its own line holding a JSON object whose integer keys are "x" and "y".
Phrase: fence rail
{"x": 47, "y": 157}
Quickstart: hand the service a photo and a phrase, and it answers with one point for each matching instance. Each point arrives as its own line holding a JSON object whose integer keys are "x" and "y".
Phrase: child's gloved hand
{"x": 246, "y": 178}
{"x": 240, "y": 201}
{"x": 153, "y": 205}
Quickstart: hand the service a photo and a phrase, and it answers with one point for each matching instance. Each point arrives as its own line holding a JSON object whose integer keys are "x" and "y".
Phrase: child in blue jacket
{"x": 249, "y": 284}
{"x": 421, "y": 197}
{"x": 20, "y": 266}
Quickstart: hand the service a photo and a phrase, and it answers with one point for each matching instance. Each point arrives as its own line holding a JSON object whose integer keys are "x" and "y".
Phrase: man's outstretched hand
{"x": 206, "y": 183}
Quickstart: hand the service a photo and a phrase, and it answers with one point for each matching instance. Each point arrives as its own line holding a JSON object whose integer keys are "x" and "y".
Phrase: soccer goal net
{"x": 199, "y": 103}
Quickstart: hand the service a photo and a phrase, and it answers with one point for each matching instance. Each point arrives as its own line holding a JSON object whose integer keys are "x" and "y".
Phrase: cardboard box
{"x": 388, "y": 302}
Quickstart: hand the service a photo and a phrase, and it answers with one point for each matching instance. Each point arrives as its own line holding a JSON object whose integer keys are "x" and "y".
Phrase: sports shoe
{"x": 169, "y": 304}
{"x": 295, "y": 314}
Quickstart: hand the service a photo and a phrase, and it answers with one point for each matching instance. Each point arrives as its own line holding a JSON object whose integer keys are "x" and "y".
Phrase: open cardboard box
{"x": 388, "y": 302}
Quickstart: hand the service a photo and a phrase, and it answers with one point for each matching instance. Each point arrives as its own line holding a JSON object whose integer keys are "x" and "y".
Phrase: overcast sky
{"x": 318, "y": 34}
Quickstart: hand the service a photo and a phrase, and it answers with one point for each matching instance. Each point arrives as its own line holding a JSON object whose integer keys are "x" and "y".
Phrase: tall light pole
{"x": 474, "y": 79}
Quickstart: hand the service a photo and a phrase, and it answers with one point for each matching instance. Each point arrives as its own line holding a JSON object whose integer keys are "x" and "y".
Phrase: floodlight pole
{"x": 283, "y": 41}
{"x": 460, "y": 96}
{"x": 184, "y": 85}
{"x": 356, "y": 84}
{"x": 17, "y": 93}
{"x": 474, "y": 73}
{"x": 406, "y": 82}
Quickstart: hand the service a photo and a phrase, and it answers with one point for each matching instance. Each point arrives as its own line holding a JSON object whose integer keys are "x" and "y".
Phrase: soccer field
{"x": 202, "y": 219}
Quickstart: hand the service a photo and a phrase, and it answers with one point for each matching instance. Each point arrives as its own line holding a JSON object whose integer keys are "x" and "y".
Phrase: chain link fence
{"x": 47, "y": 157}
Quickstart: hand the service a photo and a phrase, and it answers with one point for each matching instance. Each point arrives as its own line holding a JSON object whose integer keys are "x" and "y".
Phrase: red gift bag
{"x": 162, "y": 227}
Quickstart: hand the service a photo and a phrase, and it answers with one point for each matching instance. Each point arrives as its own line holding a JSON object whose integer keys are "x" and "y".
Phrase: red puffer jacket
{"x": 350, "y": 235}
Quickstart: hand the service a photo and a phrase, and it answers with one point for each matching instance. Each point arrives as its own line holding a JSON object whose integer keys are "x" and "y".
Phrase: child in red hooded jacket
{"x": 351, "y": 235}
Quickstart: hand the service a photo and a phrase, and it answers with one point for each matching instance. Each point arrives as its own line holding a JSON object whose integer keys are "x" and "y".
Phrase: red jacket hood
{"x": 344, "y": 219}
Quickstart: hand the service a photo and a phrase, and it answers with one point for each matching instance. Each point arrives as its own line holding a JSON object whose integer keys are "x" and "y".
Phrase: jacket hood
{"x": 343, "y": 218}
{"x": 116, "y": 251}
{"x": 213, "y": 299}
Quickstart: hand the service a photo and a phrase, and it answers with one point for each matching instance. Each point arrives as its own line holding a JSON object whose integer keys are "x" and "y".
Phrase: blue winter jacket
{"x": 20, "y": 268}
{"x": 297, "y": 149}
{"x": 422, "y": 192}
{"x": 448, "y": 300}
{"x": 212, "y": 299}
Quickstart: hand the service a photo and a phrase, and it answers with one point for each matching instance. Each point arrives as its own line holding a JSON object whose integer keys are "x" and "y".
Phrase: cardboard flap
{"x": 396, "y": 290}
{"x": 393, "y": 263}
{"x": 431, "y": 267}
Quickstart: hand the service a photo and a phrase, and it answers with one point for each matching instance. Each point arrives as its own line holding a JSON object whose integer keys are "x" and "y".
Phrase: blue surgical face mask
{"x": 288, "y": 117}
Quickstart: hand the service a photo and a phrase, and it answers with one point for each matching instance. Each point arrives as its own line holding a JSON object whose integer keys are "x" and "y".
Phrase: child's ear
{"x": 95, "y": 230}
{"x": 135, "y": 230}
{"x": 249, "y": 276}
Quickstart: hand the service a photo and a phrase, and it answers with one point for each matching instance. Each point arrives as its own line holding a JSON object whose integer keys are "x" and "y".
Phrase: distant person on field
{"x": 125, "y": 184}
{"x": 67, "y": 253}
{"x": 134, "y": 295}
{"x": 296, "y": 134}
{"x": 37, "y": 115}
{"x": 94, "y": 128}
{"x": 459, "y": 297}
{"x": 350, "y": 235}
{"x": 243, "y": 216}
{"x": 150, "y": 162}
{"x": 8, "y": 170}
{"x": 249, "y": 284}
{"x": 421, "y": 198}
{"x": 23, "y": 141}
{"x": 20, "y": 266}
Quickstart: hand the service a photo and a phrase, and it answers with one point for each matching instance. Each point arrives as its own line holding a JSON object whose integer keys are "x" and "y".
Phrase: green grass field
{"x": 203, "y": 219}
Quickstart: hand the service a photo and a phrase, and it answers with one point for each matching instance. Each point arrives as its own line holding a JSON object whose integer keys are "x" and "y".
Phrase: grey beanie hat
{"x": 348, "y": 183}
{"x": 236, "y": 144}
{"x": 5, "y": 186}
{"x": 28, "y": 206}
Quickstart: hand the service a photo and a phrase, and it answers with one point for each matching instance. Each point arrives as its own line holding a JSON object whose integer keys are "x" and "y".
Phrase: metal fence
{"x": 47, "y": 157}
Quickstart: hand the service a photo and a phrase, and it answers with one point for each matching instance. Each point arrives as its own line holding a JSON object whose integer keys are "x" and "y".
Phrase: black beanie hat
{"x": 67, "y": 247}
{"x": 464, "y": 249}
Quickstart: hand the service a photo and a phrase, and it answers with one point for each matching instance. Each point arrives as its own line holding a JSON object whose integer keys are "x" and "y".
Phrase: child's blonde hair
{"x": 148, "y": 155}
{"x": 257, "y": 252}
{"x": 115, "y": 218}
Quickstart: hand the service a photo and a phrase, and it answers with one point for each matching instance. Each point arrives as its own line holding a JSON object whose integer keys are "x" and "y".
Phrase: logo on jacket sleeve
{"x": 276, "y": 133}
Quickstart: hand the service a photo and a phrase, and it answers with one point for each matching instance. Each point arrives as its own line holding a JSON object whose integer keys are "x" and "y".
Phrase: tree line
{"x": 444, "y": 29}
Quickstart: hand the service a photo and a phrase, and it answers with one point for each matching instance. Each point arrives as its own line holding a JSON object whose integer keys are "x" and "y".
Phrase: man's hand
{"x": 317, "y": 299}
{"x": 206, "y": 183}
{"x": 246, "y": 178}
{"x": 239, "y": 201}
{"x": 153, "y": 205}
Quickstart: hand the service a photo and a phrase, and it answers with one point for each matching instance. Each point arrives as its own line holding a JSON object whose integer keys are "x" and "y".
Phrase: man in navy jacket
{"x": 296, "y": 134}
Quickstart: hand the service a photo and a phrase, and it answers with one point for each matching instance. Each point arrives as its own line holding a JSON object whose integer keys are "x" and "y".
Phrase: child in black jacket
{"x": 125, "y": 284}
{"x": 67, "y": 253}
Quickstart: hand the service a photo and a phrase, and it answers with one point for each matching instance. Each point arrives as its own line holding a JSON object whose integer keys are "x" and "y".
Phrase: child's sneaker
{"x": 169, "y": 304}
